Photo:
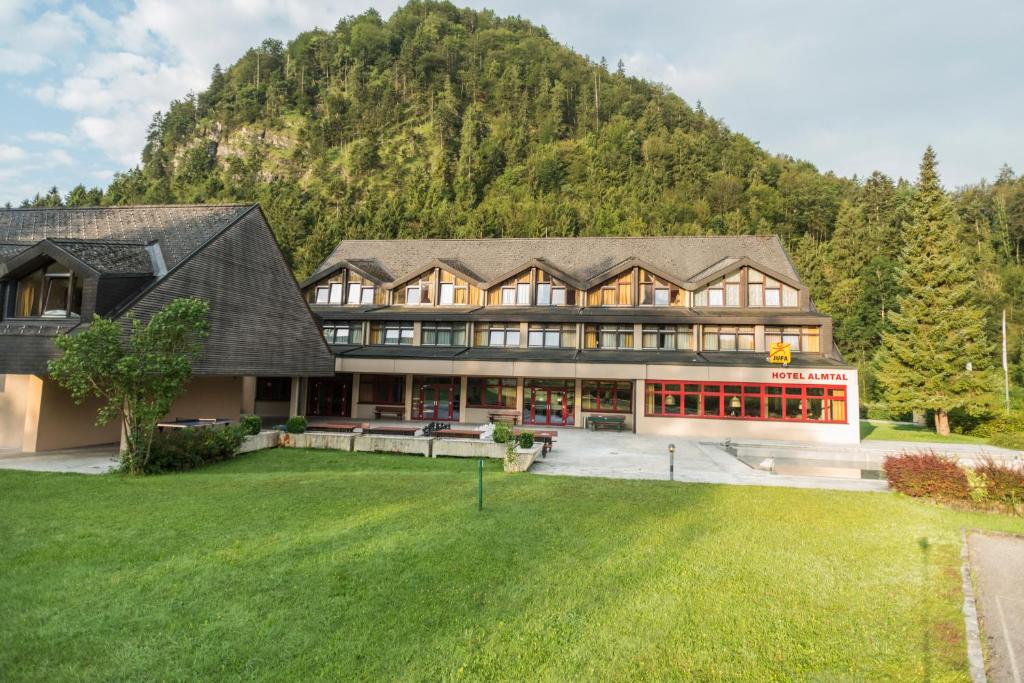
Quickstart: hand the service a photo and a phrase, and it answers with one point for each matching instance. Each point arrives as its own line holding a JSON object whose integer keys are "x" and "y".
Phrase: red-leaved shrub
{"x": 926, "y": 474}
{"x": 1004, "y": 481}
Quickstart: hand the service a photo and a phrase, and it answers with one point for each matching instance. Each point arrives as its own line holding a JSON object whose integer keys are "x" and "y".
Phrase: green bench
{"x": 616, "y": 422}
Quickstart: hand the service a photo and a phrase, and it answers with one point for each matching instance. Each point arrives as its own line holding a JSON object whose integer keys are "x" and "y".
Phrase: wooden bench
{"x": 397, "y": 412}
{"x": 503, "y": 416}
{"x": 548, "y": 437}
{"x": 339, "y": 426}
{"x": 458, "y": 433}
{"x": 616, "y": 422}
{"x": 411, "y": 430}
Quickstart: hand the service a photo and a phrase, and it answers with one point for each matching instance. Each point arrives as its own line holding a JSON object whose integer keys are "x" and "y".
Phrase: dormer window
{"x": 657, "y": 292}
{"x": 49, "y": 292}
{"x": 344, "y": 288}
{"x": 552, "y": 292}
{"x": 765, "y": 291}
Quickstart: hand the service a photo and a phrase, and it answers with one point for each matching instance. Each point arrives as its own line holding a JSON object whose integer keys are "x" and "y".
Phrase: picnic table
{"x": 194, "y": 422}
{"x": 503, "y": 416}
{"x": 339, "y": 426}
{"x": 411, "y": 430}
{"x": 397, "y": 412}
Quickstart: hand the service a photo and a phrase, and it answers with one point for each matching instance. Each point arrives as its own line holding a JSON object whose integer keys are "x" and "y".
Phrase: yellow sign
{"x": 780, "y": 352}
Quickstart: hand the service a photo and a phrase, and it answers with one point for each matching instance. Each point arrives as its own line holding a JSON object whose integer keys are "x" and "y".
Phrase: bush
{"x": 927, "y": 474}
{"x": 526, "y": 440}
{"x": 1000, "y": 424}
{"x": 1003, "y": 481}
{"x": 251, "y": 425}
{"x": 184, "y": 449}
{"x": 502, "y": 432}
{"x": 295, "y": 425}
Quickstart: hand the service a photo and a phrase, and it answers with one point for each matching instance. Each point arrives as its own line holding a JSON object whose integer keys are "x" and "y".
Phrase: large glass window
{"x": 744, "y": 401}
{"x": 496, "y": 334}
{"x": 491, "y": 392}
{"x": 553, "y": 292}
{"x": 806, "y": 339}
{"x": 667, "y": 337}
{"x": 391, "y": 333}
{"x": 343, "y": 333}
{"x": 443, "y": 334}
{"x": 382, "y": 389}
{"x": 765, "y": 291}
{"x": 273, "y": 388}
{"x": 657, "y": 292}
{"x": 49, "y": 292}
{"x": 552, "y": 336}
{"x": 617, "y": 291}
{"x": 725, "y": 292}
{"x": 607, "y": 397}
{"x": 345, "y": 287}
{"x": 608, "y": 337}
{"x": 728, "y": 338}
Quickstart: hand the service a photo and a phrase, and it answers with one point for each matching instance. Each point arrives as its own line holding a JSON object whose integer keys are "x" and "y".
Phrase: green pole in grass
{"x": 480, "y": 485}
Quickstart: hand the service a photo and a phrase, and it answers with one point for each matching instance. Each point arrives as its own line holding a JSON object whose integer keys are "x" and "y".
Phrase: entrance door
{"x": 329, "y": 396}
{"x": 436, "y": 400}
{"x": 549, "y": 403}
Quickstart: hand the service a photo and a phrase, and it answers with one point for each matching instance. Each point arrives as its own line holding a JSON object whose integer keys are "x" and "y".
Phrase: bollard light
{"x": 671, "y": 462}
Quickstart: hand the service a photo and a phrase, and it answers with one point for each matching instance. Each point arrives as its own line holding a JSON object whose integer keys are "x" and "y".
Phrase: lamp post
{"x": 671, "y": 462}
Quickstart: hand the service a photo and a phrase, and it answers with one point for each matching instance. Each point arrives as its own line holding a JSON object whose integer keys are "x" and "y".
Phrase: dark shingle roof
{"x": 180, "y": 230}
{"x": 107, "y": 256}
{"x": 9, "y": 250}
{"x": 580, "y": 257}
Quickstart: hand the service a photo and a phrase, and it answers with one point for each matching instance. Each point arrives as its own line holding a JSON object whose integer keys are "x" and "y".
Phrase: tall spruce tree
{"x": 936, "y": 355}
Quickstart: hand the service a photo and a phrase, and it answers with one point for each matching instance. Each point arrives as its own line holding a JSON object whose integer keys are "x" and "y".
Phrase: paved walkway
{"x": 615, "y": 455}
{"x": 89, "y": 460}
{"x": 997, "y": 563}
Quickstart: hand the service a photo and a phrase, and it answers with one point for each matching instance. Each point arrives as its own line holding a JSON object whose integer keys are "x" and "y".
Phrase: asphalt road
{"x": 997, "y": 562}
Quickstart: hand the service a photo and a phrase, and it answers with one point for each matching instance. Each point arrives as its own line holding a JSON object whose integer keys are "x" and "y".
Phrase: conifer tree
{"x": 936, "y": 355}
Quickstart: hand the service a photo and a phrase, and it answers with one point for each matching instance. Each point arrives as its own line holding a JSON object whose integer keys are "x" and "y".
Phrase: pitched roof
{"x": 580, "y": 257}
{"x": 109, "y": 256}
{"x": 180, "y": 230}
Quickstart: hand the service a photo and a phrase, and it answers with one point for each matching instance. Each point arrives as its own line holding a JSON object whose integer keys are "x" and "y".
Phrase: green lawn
{"x": 304, "y": 564}
{"x": 873, "y": 430}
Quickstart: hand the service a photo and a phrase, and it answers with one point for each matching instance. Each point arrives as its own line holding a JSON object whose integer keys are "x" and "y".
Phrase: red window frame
{"x": 389, "y": 387}
{"x": 718, "y": 401}
{"x": 498, "y": 382}
{"x": 596, "y": 386}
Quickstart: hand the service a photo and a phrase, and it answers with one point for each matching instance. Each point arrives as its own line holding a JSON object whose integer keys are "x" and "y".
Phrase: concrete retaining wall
{"x": 336, "y": 442}
{"x": 468, "y": 448}
{"x": 375, "y": 443}
{"x": 524, "y": 458}
{"x": 257, "y": 442}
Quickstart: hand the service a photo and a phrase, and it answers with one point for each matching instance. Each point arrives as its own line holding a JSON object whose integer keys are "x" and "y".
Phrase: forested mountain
{"x": 449, "y": 122}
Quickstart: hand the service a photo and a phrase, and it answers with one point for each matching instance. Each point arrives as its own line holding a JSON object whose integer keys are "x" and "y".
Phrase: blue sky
{"x": 851, "y": 87}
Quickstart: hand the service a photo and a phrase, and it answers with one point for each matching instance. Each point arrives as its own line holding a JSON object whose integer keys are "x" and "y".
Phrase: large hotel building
{"x": 668, "y": 334}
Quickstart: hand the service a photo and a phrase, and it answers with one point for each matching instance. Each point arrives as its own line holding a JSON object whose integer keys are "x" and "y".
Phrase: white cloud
{"x": 48, "y": 137}
{"x": 10, "y": 153}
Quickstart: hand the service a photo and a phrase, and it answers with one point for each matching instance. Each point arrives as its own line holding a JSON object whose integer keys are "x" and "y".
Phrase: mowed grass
{"x": 315, "y": 564}
{"x": 872, "y": 430}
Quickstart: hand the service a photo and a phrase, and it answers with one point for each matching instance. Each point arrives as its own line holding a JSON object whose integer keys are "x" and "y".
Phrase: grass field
{"x": 874, "y": 430}
{"x": 302, "y": 564}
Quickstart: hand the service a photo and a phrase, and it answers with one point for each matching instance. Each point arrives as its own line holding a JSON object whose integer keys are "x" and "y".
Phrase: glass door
{"x": 437, "y": 399}
{"x": 329, "y": 396}
{"x": 549, "y": 402}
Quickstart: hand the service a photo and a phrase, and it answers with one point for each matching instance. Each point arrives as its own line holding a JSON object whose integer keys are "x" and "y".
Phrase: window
{"x": 608, "y": 337}
{"x": 391, "y": 333}
{"x": 49, "y": 292}
{"x": 725, "y": 292}
{"x": 608, "y": 397}
{"x": 728, "y": 338}
{"x": 323, "y": 295}
{"x": 765, "y": 291}
{"x": 497, "y": 334}
{"x": 615, "y": 292}
{"x": 667, "y": 337}
{"x": 806, "y": 339}
{"x": 552, "y": 336}
{"x": 343, "y": 333}
{"x": 798, "y": 403}
{"x": 512, "y": 292}
{"x": 273, "y": 388}
{"x": 552, "y": 292}
{"x": 657, "y": 292}
{"x": 382, "y": 389}
{"x": 443, "y": 334}
{"x": 491, "y": 392}
{"x": 523, "y": 294}
{"x": 543, "y": 293}
{"x": 336, "y": 290}
{"x": 446, "y": 294}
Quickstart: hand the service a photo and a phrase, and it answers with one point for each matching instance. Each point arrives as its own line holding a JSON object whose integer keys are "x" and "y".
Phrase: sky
{"x": 852, "y": 87}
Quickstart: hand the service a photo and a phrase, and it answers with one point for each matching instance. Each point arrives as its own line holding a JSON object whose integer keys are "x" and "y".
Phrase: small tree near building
{"x": 137, "y": 376}
{"x": 936, "y": 355}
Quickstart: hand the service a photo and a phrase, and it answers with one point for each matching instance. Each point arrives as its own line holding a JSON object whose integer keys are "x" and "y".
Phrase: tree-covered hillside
{"x": 448, "y": 122}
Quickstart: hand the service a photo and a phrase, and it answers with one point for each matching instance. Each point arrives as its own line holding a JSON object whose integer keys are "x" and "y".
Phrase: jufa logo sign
{"x": 781, "y": 353}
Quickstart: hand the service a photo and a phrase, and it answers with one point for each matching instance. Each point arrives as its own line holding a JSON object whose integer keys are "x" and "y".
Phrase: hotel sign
{"x": 780, "y": 352}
